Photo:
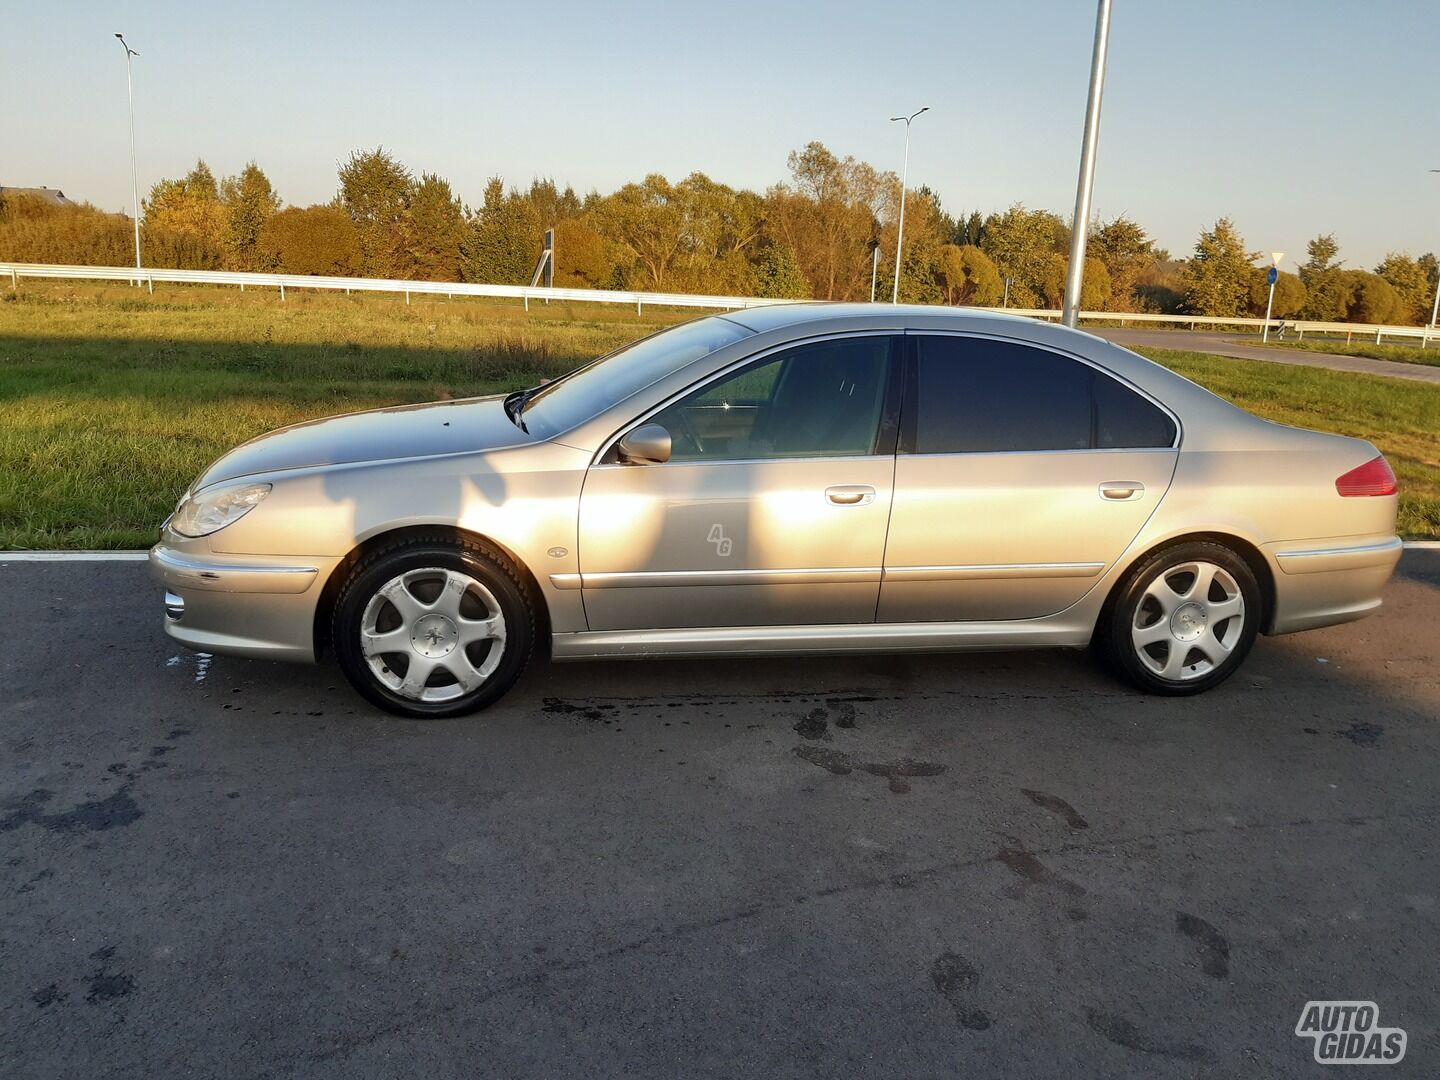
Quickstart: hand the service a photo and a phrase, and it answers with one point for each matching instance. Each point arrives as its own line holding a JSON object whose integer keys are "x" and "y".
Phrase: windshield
{"x": 590, "y": 390}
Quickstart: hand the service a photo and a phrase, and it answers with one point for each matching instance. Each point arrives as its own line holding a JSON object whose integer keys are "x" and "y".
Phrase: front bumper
{"x": 1326, "y": 582}
{"x": 256, "y": 606}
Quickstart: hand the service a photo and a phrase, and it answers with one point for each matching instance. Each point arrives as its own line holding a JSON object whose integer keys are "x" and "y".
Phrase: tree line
{"x": 810, "y": 236}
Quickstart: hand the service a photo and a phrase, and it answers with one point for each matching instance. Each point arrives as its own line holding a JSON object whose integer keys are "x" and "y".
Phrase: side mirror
{"x": 648, "y": 444}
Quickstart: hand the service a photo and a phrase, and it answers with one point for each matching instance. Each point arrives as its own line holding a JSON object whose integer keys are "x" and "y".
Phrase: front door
{"x": 1023, "y": 474}
{"x": 773, "y": 506}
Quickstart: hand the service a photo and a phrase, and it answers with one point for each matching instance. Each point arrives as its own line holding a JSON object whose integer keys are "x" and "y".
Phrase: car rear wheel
{"x": 432, "y": 629}
{"x": 1183, "y": 619}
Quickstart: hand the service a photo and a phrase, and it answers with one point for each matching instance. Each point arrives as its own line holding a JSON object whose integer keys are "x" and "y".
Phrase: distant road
{"x": 1225, "y": 345}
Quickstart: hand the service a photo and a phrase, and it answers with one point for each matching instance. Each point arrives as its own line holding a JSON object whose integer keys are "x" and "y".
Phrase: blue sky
{"x": 1292, "y": 117}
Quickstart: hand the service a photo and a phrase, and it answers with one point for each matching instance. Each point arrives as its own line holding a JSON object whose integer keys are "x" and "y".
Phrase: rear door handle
{"x": 1121, "y": 490}
{"x": 850, "y": 494}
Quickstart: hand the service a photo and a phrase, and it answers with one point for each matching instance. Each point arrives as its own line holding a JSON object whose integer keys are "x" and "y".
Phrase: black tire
{"x": 1124, "y": 616}
{"x": 487, "y": 566}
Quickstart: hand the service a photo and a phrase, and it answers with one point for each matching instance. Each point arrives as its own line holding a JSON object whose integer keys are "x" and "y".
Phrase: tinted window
{"x": 976, "y": 395}
{"x": 819, "y": 400}
{"x": 1125, "y": 419}
{"x": 981, "y": 396}
{"x": 592, "y": 389}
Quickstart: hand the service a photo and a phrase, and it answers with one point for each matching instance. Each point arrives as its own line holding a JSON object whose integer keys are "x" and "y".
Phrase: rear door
{"x": 1022, "y": 474}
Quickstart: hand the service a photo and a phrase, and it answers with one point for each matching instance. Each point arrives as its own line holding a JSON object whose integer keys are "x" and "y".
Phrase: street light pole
{"x": 1074, "y": 276}
{"x": 134, "y": 176}
{"x": 1435, "y": 307}
{"x": 904, "y": 177}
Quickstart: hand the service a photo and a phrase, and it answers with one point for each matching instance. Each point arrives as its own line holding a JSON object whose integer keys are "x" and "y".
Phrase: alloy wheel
{"x": 432, "y": 634}
{"x": 1188, "y": 621}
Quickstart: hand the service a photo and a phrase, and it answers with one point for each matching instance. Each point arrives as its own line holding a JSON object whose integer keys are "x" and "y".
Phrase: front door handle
{"x": 850, "y": 494}
{"x": 1121, "y": 490}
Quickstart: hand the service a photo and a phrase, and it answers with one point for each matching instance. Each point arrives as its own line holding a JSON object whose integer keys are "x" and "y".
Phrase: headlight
{"x": 211, "y": 510}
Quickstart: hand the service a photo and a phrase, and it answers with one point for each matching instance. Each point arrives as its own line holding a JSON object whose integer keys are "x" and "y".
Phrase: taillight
{"x": 1373, "y": 478}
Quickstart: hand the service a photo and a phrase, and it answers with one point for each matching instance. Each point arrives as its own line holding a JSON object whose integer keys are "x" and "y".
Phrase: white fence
{"x": 526, "y": 293}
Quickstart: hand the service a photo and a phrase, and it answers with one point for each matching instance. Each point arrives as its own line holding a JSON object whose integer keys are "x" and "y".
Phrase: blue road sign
{"x": 1273, "y": 275}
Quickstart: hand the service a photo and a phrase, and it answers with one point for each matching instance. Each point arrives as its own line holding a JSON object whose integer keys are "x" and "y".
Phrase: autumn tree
{"x": 1020, "y": 243}
{"x": 434, "y": 230}
{"x": 1411, "y": 282}
{"x": 969, "y": 277}
{"x": 1217, "y": 277}
{"x": 1127, "y": 252}
{"x": 647, "y": 220}
{"x": 316, "y": 240}
{"x": 582, "y": 255}
{"x": 503, "y": 238}
{"x": 38, "y": 231}
{"x": 1289, "y": 294}
{"x": 250, "y": 201}
{"x": 1326, "y": 289}
{"x": 375, "y": 191}
{"x": 1094, "y": 283}
{"x": 827, "y": 214}
{"x": 778, "y": 275}
{"x": 184, "y": 221}
{"x": 1369, "y": 298}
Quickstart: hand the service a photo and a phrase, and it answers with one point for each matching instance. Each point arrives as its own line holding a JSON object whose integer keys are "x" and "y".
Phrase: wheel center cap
{"x": 433, "y": 636}
{"x": 1188, "y": 622}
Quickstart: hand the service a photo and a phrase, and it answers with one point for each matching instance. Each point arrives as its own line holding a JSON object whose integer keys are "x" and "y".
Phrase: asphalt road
{"x": 1228, "y": 345}
{"x": 997, "y": 865}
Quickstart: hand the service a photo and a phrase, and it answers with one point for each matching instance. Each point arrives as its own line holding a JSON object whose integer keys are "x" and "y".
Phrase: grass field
{"x": 111, "y": 402}
{"x": 1401, "y": 354}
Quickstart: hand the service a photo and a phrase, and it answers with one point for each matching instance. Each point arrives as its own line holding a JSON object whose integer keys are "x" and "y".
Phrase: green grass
{"x": 112, "y": 401}
{"x": 1401, "y": 354}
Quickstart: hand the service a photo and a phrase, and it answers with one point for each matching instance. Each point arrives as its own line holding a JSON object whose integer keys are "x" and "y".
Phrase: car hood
{"x": 408, "y": 431}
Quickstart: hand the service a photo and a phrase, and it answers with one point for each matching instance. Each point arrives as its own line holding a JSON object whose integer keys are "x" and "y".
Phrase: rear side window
{"x": 1124, "y": 419}
{"x": 974, "y": 395}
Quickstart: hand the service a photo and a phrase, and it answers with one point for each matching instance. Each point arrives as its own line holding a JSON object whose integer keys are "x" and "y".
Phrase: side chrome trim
{"x": 1322, "y": 560}
{"x": 771, "y": 640}
{"x": 997, "y": 570}
{"x": 641, "y": 579}
{"x": 178, "y": 571}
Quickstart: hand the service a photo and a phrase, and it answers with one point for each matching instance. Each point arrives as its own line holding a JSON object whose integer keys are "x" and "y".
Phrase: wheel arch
{"x": 1254, "y": 558}
{"x": 330, "y": 590}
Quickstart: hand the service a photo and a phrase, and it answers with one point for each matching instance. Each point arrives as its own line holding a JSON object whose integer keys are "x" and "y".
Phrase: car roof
{"x": 779, "y": 316}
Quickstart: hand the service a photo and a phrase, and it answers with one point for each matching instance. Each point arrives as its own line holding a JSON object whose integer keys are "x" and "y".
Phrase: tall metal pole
{"x": 904, "y": 177}
{"x": 1434, "y": 313}
{"x": 874, "y": 266}
{"x": 1075, "y": 274}
{"x": 134, "y": 175}
{"x": 1269, "y": 304}
{"x": 1434, "y": 308}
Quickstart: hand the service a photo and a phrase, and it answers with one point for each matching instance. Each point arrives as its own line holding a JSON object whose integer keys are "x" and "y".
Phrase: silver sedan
{"x": 794, "y": 479}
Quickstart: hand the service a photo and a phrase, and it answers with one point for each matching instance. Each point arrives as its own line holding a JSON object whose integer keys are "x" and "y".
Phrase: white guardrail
{"x": 526, "y": 293}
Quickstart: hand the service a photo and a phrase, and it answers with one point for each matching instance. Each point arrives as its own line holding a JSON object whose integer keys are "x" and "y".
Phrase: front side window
{"x": 822, "y": 399}
{"x": 976, "y": 395}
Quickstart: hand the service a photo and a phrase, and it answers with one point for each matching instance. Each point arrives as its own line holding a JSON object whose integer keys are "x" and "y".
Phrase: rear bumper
{"x": 256, "y": 606}
{"x": 1321, "y": 583}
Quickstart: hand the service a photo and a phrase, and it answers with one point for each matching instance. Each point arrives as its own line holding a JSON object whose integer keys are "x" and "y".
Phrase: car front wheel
{"x": 433, "y": 629}
{"x": 1183, "y": 619}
